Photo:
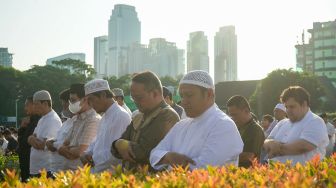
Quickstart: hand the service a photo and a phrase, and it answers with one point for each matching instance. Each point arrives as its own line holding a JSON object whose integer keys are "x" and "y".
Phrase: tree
{"x": 78, "y": 67}
{"x": 268, "y": 93}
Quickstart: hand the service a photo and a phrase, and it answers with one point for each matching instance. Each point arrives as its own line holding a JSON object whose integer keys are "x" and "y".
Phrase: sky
{"x": 267, "y": 30}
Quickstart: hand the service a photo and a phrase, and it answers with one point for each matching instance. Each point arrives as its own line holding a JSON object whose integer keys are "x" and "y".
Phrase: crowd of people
{"x": 96, "y": 128}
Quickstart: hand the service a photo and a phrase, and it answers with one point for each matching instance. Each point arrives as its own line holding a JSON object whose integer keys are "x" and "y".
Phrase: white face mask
{"x": 75, "y": 107}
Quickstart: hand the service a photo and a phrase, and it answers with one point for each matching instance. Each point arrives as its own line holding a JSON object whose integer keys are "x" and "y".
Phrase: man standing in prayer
{"x": 168, "y": 97}
{"x": 120, "y": 98}
{"x": 28, "y": 125}
{"x": 279, "y": 113}
{"x": 250, "y": 131}
{"x": 207, "y": 137}
{"x": 112, "y": 124}
{"x": 149, "y": 126}
{"x": 300, "y": 137}
{"x": 47, "y": 127}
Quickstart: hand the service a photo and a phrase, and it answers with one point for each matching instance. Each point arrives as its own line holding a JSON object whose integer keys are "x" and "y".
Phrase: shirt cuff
{"x": 157, "y": 156}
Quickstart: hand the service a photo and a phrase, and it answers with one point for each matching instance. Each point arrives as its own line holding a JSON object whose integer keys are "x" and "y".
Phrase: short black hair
{"x": 239, "y": 102}
{"x": 268, "y": 117}
{"x": 6, "y": 132}
{"x": 65, "y": 95}
{"x": 149, "y": 79}
{"x": 166, "y": 92}
{"x": 298, "y": 93}
{"x": 77, "y": 89}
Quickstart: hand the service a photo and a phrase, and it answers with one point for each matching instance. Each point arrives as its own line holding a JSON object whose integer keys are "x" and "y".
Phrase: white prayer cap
{"x": 118, "y": 92}
{"x": 199, "y": 78}
{"x": 42, "y": 95}
{"x": 280, "y": 106}
{"x": 95, "y": 86}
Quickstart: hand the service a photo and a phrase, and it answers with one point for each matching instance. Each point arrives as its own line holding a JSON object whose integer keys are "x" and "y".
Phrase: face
{"x": 194, "y": 100}
{"x": 279, "y": 114}
{"x": 265, "y": 123}
{"x": 39, "y": 107}
{"x": 83, "y": 102}
{"x": 238, "y": 115}
{"x": 144, "y": 100}
{"x": 295, "y": 111}
{"x": 97, "y": 103}
{"x": 29, "y": 108}
{"x": 119, "y": 100}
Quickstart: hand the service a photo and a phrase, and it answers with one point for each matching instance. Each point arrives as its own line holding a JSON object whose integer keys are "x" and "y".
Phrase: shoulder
{"x": 168, "y": 113}
{"x": 315, "y": 121}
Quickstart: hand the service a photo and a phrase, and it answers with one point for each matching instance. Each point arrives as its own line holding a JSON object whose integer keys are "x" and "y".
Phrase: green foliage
{"x": 268, "y": 93}
{"x": 315, "y": 173}
{"x": 8, "y": 162}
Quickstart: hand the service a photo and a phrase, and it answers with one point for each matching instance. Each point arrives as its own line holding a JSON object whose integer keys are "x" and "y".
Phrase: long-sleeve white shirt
{"x": 59, "y": 160}
{"x": 210, "y": 139}
{"x": 113, "y": 123}
{"x": 47, "y": 128}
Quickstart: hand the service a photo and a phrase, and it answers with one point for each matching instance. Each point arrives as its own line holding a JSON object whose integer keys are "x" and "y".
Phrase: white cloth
{"x": 310, "y": 128}
{"x": 113, "y": 123}
{"x": 210, "y": 139}
{"x": 47, "y": 128}
{"x": 59, "y": 160}
{"x": 331, "y": 134}
{"x": 127, "y": 109}
{"x": 4, "y": 146}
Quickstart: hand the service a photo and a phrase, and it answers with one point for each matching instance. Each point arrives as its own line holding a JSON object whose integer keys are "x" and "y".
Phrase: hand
{"x": 87, "y": 159}
{"x": 273, "y": 148}
{"x": 50, "y": 145}
{"x": 174, "y": 159}
{"x": 125, "y": 150}
{"x": 25, "y": 121}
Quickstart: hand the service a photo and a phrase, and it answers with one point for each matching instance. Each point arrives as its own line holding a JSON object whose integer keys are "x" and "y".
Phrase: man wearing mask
{"x": 83, "y": 131}
{"x": 55, "y": 143}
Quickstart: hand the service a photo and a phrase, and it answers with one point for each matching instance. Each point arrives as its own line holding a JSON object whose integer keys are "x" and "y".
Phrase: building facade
{"x": 101, "y": 56}
{"x": 6, "y": 58}
{"x": 225, "y": 54}
{"x": 319, "y": 54}
{"x": 124, "y": 29}
{"x": 197, "y": 52}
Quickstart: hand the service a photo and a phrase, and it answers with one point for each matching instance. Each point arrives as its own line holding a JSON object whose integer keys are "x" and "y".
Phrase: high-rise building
{"x": 124, "y": 29}
{"x": 180, "y": 62}
{"x": 319, "y": 54}
{"x": 225, "y": 52}
{"x": 101, "y": 56}
{"x": 164, "y": 57}
{"x": 197, "y": 52}
{"x": 74, "y": 56}
{"x": 5, "y": 58}
{"x": 138, "y": 58}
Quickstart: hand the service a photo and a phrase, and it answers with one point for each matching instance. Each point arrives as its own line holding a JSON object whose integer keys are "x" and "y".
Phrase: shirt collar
{"x": 206, "y": 114}
{"x": 112, "y": 108}
{"x": 83, "y": 115}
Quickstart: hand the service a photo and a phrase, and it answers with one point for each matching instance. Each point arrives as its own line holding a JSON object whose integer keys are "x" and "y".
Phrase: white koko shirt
{"x": 113, "y": 123}
{"x": 210, "y": 139}
{"x": 47, "y": 128}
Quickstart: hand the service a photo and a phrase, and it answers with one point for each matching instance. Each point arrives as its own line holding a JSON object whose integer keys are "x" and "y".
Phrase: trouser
{"x": 24, "y": 166}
